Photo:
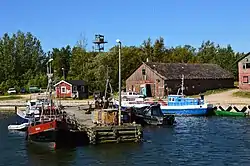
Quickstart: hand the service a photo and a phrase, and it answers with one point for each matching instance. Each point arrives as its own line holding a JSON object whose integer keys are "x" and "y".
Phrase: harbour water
{"x": 192, "y": 141}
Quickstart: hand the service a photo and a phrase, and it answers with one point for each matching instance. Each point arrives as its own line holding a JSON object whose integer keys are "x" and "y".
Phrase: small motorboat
{"x": 152, "y": 115}
{"x": 228, "y": 113}
{"x": 19, "y": 127}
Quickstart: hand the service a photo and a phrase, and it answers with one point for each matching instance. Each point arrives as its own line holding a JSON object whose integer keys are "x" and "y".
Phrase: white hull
{"x": 22, "y": 126}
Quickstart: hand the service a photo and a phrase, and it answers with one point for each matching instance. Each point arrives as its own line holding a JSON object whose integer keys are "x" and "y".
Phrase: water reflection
{"x": 192, "y": 141}
{"x": 38, "y": 155}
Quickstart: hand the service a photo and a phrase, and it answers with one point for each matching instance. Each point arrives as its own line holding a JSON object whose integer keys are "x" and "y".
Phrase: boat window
{"x": 156, "y": 111}
{"x": 32, "y": 103}
{"x": 130, "y": 93}
{"x": 171, "y": 99}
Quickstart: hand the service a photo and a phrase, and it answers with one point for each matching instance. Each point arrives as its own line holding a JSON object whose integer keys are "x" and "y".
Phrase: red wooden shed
{"x": 71, "y": 88}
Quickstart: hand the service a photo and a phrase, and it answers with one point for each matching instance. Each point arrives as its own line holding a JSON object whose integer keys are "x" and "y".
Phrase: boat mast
{"x": 182, "y": 84}
{"x": 49, "y": 87}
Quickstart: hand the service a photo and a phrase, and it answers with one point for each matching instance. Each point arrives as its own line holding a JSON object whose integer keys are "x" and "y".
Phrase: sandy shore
{"x": 223, "y": 99}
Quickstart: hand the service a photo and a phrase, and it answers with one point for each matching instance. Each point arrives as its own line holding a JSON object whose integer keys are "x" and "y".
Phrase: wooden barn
{"x": 71, "y": 89}
{"x": 161, "y": 79}
{"x": 244, "y": 72}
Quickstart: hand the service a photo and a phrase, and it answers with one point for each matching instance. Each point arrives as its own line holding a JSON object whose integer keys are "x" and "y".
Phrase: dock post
{"x": 15, "y": 108}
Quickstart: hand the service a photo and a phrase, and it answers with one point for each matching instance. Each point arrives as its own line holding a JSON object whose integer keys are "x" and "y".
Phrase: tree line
{"x": 23, "y": 61}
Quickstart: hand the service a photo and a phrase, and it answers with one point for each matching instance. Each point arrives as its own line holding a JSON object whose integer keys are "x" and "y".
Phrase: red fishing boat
{"x": 53, "y": 126}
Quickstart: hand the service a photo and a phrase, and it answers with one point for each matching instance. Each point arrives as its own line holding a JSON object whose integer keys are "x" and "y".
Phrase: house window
{"x": 143, "y": 72}
{"x": 63, "y": 89}
{"x": 83, "y": 89}
{"x": 74, "y": 89}
{"x": 245, "y": 79}
{"x": 246, "y": 65}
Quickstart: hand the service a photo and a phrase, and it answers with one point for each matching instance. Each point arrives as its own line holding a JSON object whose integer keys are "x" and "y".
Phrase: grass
{"x": 245, "y": 94}
{"x": 11, "y": 97}
{"x": 236, "y": 83}
{"x": 210, "y": 92}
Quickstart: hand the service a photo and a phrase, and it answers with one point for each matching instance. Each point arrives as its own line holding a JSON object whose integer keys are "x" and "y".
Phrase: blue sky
{"x": 60, "y": 22}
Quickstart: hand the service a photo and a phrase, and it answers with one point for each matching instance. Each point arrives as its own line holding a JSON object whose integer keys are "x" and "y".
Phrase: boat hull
{"x": 228, "y": 113}
{"x": 55, "y": 133}
{"x": 19, "y": 127}
{"x": 185, "y": 110}
{"x": 22, "y": 120}
{"x": 52, "y": 132}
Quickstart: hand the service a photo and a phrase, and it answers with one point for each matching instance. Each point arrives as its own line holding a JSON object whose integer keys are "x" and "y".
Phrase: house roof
{"x": 71, "y": 82}
{"x": 242, "y": 57}
{"x": 76, "y": 82}
{"x": 172, "y": 71}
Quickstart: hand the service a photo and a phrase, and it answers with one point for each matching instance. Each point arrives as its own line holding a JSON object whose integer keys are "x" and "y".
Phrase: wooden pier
{"x": 101, "y": 133}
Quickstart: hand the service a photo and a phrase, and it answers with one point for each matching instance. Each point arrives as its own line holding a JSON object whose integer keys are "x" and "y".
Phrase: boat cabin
{"x": 179, "y": 100}
{"x": 154, "y": 110}
{"x": 131, "y": 94}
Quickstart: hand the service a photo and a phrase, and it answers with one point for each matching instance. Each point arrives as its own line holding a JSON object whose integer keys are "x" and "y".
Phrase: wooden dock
{"x": 127, "y": 132}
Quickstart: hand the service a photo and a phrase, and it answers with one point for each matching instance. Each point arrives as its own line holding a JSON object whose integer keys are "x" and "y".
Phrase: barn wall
{"x": 136, "y": 79}
{"x": 198, "y": 86}
{"x": 158, "y": 89}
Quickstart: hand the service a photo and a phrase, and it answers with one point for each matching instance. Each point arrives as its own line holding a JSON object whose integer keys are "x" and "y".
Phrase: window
{"x": 74, "y": 89}
{"x": 246, "y": 65}
{"x": 245, "y": 79}
{"x": 63, "y": 89}
{"x": 83, "y": 89}
{"x": 143, "y": 72}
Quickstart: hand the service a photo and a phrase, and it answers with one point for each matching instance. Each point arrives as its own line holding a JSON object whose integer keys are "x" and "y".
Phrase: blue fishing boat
{"x": 180, "y": 105}
{"x": 183, "y": 106}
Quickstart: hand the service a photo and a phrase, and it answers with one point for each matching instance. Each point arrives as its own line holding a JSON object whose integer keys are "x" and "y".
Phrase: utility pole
{"x": 120, "y": 102}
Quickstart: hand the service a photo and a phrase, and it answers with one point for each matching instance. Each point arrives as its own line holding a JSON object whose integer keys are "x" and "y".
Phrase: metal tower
{"x": 99, "y": 42}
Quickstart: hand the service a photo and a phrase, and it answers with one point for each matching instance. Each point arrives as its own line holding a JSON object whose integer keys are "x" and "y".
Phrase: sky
{"x": 57, "y": 23}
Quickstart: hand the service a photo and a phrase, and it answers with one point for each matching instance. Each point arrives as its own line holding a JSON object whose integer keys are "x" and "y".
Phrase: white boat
{"x": 131, "y": 94}
{"x": 33, "y": 109}
{"x": 20, "y": 127}
{"x": 133, "y": 102}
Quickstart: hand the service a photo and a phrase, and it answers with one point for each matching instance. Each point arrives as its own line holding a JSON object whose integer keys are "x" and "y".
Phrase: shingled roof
{"x": 172, "y": 71}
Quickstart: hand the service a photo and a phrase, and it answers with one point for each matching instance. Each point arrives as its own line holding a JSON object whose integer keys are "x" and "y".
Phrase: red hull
{"x": 43, "y": 127}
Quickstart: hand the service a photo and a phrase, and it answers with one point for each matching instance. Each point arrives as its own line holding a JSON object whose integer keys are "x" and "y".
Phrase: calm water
{"x": 193, "y": 141}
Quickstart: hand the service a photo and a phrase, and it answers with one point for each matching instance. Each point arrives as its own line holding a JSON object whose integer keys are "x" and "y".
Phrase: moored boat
{"x": 33, "y": 106}
{"x": 228, "y": 113}
{"x": 182, "y": 106}
{"x": 152, "y": 115}
{"x": 53, "y": 126}
{"x": 19, "y": 127}
{"x": 186, "y": 106}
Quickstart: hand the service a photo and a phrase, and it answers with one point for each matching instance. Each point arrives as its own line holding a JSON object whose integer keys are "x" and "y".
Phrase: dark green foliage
{"x": 23, "y": 62}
